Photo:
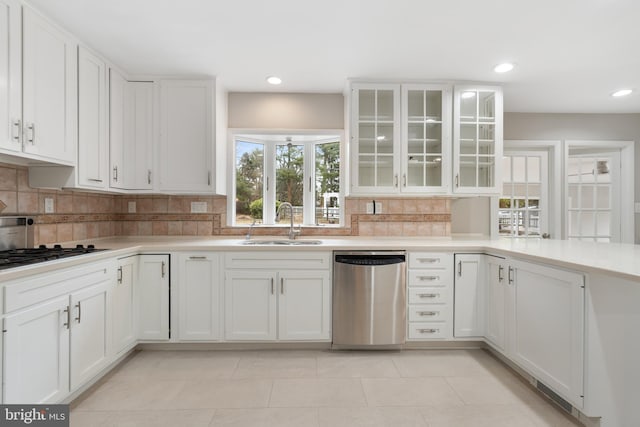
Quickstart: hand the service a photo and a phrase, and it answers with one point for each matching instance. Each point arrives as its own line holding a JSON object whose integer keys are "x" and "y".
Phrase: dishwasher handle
{"x": 370, "y": 260}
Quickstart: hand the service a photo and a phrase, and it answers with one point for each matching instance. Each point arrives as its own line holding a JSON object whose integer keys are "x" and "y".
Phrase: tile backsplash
{"x": 83, "y": 215}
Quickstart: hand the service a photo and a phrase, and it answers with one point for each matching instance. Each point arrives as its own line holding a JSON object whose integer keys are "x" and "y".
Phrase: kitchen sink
{"x": 283, "y": 242}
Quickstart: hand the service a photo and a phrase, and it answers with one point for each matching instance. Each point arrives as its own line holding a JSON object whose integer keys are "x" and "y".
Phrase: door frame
{"x": 627, "y": 195}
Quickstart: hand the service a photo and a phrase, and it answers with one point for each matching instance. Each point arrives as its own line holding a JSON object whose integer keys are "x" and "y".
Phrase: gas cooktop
{"x": 19, "y": 257}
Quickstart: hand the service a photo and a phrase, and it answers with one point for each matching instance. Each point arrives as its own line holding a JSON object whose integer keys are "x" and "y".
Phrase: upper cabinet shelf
{"x": 425, "y": 139}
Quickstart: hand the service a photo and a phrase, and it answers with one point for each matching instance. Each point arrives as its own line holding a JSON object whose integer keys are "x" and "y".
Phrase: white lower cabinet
{"x": 250, "y": 305}
{"x": 151, "y": 296}
{"x": 278, "y": 300}
{"x": 547, "y": 327}
{"x": 123, "y": 331}
{"x": 496, "y": 299}
{"x": 56, "y": 332}
{"x": 36, "y": 358}
{"x": 429, "y": 296}
{"x": 199, "y": 297}
{"x": 89, "y": 332}
{"x": 469, "y": 295}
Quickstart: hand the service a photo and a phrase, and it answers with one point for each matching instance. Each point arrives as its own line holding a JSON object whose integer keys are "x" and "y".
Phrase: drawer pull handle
{"x": 500, "y": 275}
{"x": 282, "y": 285}
{"x": 428, "y": 295}
{"x": 272, "y": 286}
{"x": 429, "y": 260}
{"x": 79, "y": 312}
{"x": 429, "y": 277}
{"x": 119, "y": 275}
{"x": 428, "y": 313}
{"x": 198, "y": 257}
{"x": 510, "y": 275}
{"x": 162, "y": 268}
{"x": 428, "y": 331}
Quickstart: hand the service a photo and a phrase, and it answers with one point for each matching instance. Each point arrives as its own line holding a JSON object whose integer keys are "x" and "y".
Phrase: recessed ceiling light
{"x": 622, "y": 92}
{"x": 503, "y": 68}
{"x": 467, "y": 95}
{"x": 381, "y": 138}
{"x": 274, "y": 80}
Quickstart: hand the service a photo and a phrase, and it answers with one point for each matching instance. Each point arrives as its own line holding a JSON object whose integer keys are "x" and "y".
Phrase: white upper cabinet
{"x": 186, "y": 154}
{"x": 375, "y": 138}
{"x": 426, "y": 147}
{"x": 131, "y": 133}
{"x": 93, "y": 152}
{"x": 477, "y": 139}
{"x": 400, "y": 138}
{"x": 49, "y": 90}
{"x": 10, "y": 77}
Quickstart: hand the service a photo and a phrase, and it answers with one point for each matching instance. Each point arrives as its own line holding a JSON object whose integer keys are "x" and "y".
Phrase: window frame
{"x": 270, "y": 140}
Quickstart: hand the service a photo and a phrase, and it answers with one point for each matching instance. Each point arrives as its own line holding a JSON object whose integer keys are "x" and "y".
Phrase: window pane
{"x": 518, "y": 165}
{"x": 604, "y": 223}
{"x": 504, "y": 221}
{"x": 533, "y": 169}
{"x": 249, "y": 178}
{"x": 327, "y": 186}
{"x": 289, "y": 180}
{"x": 603, "y": 201}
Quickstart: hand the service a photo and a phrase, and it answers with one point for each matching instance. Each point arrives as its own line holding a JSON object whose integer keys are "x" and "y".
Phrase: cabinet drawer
{"x": 430, "y": 260}
{"x": 430, "y": 277}
{"x": 428, "y": 313}
{"x": 428, "y": 296}
{"x": 427, "y": 330}
{"x": 279, "y": 259}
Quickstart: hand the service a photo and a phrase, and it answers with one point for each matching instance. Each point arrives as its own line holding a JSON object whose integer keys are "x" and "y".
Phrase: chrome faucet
{"x": 292, "y": 231}
{"x": 248, "y": 236}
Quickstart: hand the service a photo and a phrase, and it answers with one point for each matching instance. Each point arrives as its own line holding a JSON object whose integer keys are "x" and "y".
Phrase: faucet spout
{"x": 292, "y": 231}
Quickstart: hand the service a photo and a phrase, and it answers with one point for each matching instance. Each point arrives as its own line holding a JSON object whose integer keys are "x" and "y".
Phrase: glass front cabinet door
{"x": 375, "y": 137}
{"x": 477, "y": 139}
{"x": 426, "y": 148}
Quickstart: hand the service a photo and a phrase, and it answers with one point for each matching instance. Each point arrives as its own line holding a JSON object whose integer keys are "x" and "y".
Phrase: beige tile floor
{"x": 434, "y": 388}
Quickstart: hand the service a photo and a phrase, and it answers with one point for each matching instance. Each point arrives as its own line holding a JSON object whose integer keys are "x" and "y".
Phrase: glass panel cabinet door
{"x": 427, "y": 137}
{"x": 375, "y": 135}
{"x": 477, "y": 139}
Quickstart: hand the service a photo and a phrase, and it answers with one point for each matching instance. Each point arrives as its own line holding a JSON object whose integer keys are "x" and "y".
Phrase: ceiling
{"x": 570, "y": 54}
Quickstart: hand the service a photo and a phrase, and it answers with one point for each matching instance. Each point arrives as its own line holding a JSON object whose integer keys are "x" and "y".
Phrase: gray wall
{"x": 539, "y": 126}
{"x": 285, "y": 111}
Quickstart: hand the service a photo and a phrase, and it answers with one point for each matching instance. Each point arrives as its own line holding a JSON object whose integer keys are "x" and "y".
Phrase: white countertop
{"x": 622, "y": 260}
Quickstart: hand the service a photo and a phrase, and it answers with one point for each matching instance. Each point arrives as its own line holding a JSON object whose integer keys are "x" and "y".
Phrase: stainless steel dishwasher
{"x": 369, "y": 298}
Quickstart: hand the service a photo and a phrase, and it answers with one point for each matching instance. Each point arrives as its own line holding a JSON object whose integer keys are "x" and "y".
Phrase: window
{"x": 523, "y": 205}
{"x": 303, "y": 170}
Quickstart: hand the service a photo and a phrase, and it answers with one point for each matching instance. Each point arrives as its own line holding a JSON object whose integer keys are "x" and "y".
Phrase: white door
{"x": 469, "y": 295}
{"x": 250, "y": 305}
{"x": 89, "y": 332}
{"x": 36, "y": 346}
{"x": 548, "y": 327}
{"x": 304, "y": 305}
{"x": 199, "y": 297}
{"x": 49, "y": 90}
{"x": 186, "y": 135}
{"x": 123, "y": 326}
{"x": 497, "y": 281}
{"x": 10, "y": 76}
{"x": 593, "y": 196}
{"x": 151, "y": 296}
{"x": 93, "y": 152}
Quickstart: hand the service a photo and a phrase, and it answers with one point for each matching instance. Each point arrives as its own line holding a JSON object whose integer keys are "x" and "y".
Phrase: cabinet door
{"x": 151, "y": 295}
{"x": 131, "y": 133}
{"x": 93, "y": 153}
{"x": 89, "y": 332}
{"x": 375, "y": 138}
{"x": 36, "y": 348}
{"x": 304, "y": 305}
{"x": 10, "y": 76}
{"x": 469, "y": 296}
{"x": 186, "y": 136}
{"x": 199, "y": 297}
{"x": 426, "y": 138}
{"x": 124, "y": 335}
{"x": 496, "y": 284}
{"x": 49, "y": 90}
{"x": 250, "y": 305}
{"x": 477, "y": 139}
{"x": 548, "y": 335}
